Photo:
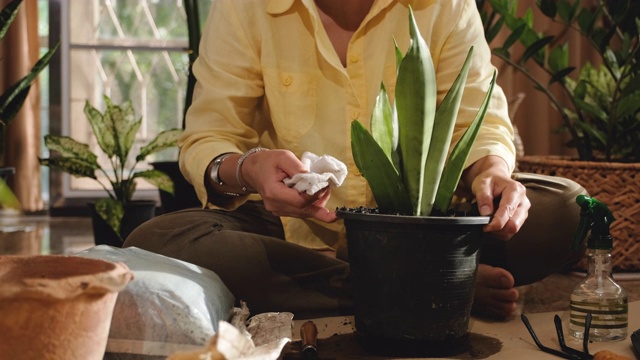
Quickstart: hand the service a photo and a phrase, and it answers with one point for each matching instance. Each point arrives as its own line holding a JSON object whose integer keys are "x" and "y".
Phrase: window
{"x": 128, "y": 50}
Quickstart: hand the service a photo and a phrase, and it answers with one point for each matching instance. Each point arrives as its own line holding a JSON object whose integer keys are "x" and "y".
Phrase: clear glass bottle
{"x": 598, "y": 294}
{"x": 601, "y": 296}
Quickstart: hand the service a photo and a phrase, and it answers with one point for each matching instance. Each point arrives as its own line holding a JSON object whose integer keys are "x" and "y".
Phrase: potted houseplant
{"x": 599, "y": 103}
{"x": 114, "y": 130}
{"x": 413, "y": 264}
{"x": 11, "y": 102}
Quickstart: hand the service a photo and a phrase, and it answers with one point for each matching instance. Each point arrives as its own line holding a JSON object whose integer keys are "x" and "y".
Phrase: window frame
{"x": 61, "y": 193}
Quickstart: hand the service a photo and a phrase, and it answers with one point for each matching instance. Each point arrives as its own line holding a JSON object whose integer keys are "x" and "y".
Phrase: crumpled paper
{"x": 262, "y": 339}
{"x": 323, "y": 171}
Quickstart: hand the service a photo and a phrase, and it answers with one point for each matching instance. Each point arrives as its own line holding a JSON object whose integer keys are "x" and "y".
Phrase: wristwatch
{"x": 215, "y": 168}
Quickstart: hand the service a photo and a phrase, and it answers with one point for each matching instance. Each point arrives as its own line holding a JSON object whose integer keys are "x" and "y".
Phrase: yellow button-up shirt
{"x": 269, "y": 76}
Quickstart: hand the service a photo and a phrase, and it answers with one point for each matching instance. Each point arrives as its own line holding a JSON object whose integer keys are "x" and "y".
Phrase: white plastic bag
{"x": 170, "y": 305}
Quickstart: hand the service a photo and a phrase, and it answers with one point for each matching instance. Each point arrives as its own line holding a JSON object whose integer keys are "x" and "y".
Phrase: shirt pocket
{"x": 292, "y": 100}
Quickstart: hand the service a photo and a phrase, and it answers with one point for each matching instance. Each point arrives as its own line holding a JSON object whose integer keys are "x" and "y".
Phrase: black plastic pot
{"x": 413, "y": 281}
{"x": 135, "y": 213}
{"x": 184, "y": 195}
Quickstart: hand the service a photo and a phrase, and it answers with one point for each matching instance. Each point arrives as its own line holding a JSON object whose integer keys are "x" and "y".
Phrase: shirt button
{"x": 353, "y": 58}
{"x": 286, "y": 80}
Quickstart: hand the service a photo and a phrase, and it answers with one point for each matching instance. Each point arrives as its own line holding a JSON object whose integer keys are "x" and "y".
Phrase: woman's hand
{"x": 490, "y": 179}
{"x": 264, "y": 172}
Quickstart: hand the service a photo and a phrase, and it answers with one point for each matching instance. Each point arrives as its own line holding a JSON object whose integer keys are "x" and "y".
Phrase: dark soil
{"x": 464, "y": 209}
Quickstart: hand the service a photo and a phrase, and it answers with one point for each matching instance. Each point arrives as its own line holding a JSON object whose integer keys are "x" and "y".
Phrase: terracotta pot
{"x": 57, "y": 307}
{"x": 413, "y": 281}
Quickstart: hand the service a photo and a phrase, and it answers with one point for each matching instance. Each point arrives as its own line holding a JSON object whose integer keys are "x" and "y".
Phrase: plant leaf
{"x": 443, "y": 126}
{"x": 558, "y": 58}
{"x": 629, "y": 105}
{"x": 7, "y": 15}
{"x": 101, "y": 129}
{"x": 558, "y": 76}
{"x": 70, "y": 148}
{"x": 416, "y": 105}
{"x": 535, "y": 48}
{"x": 125, "y": 126}
{"x": 73, "y": 166}
{"x": 453, "y": 170}
{"x": 548, "y": 8}
{"x": 382, "y": 123}
{"x": 385, "y": 182}
{"x": 514, "y": 36}
{"x": 157, "y": 178}
{"x": 112, "y": 212}
{"x": 7, "y": 198}
{"x": 12, "y": 99}
{"x": 164, "y": 140}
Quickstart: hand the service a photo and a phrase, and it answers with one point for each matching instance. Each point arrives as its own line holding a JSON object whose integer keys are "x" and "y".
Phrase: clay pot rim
{"x": 109, "y": 277}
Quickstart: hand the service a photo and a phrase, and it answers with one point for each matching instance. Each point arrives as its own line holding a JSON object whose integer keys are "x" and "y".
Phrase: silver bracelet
{"x": 240, "y": 161}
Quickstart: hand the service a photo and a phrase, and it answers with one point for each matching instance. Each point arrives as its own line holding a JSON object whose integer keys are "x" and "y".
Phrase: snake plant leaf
{"x": 112, "y": 212}
{"x": 384, "y": 180}
{"x": 11, "y": 107}
{"x": 382, "y": 127}
{"x": 164, "y": 140}
{"x": 454, "y": 167}
{"x": 158, "y": 178}
{"x": 415, "y": 98}
{"x": 12, "y": 99}
{"x": 399, "y": 55}
{"x": 443, "y": 126}
{"x": 74, "y": 166}
{"x": 7, "y": 15}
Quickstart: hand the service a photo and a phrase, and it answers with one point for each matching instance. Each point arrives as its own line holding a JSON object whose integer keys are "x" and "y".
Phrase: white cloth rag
{"x": 323, "y": 171}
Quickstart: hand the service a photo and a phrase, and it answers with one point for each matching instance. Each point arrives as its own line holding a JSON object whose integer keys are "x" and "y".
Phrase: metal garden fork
{"x": 567, "y": 352}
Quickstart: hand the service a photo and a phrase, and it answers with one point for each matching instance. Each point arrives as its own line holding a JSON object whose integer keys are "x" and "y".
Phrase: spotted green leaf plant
{"x": 115, "y": 131}
{"x": 404, "y": 157}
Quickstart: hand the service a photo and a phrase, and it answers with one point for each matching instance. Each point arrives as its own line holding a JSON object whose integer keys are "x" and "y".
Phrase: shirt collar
{"x": 276, "y": 7}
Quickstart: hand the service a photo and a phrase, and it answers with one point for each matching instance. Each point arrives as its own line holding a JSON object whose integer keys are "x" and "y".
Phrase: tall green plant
{"x": 602, "y": 114}
{"x": 115, "y": 132}
{"x": 404, "y": 159}
{"x": 13, "y": 98}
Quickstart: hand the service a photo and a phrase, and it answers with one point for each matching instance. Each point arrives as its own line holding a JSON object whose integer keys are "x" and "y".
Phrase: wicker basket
{"x": 615, "y": 184}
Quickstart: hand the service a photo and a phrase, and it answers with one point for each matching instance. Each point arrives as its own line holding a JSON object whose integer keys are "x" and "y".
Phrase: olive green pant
{"x": 246, "y": 248}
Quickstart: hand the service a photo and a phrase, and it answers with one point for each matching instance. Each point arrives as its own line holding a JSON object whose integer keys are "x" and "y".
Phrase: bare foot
{"x": 495, "y": 295}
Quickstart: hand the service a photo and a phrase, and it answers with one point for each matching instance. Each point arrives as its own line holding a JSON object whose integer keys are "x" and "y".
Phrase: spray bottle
{"x": 598, "y": 293}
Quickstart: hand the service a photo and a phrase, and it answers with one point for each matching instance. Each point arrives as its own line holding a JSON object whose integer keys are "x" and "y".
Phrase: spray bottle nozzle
{"x": 594, "y": 216}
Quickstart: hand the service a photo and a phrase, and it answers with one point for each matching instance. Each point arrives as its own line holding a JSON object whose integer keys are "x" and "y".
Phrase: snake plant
{"x": 404, "y": 158}
{"x": 115, "y": 131}
{"x": 12, "y": 99}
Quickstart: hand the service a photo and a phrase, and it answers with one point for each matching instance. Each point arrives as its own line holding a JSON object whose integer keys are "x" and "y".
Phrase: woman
{"x": 290, "y": 76}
